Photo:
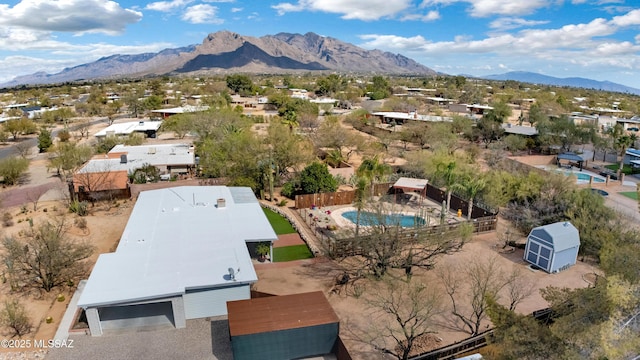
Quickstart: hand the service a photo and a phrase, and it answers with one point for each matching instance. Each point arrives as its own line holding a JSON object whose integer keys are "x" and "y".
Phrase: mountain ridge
{"x": 578, "y": 82}
{"x": 226, "y": 51}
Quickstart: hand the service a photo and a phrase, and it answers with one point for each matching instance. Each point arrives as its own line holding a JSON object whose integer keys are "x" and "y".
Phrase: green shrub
{"x": 79, "y": 207}
{"x": 288, "y": 190}
{"x": 12, "y": 168}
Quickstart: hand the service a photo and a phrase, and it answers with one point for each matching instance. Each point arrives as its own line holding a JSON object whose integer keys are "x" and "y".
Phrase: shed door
{"x": 539, "y": 255}
{"x": 212, "y": 302}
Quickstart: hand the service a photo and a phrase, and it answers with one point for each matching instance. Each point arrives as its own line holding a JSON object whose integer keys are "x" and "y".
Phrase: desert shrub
{"x": 13, "y": 316}
{"x": 81, "y": 223}
{"x": 7, "y": 219}
{"x": 79, "y": 207}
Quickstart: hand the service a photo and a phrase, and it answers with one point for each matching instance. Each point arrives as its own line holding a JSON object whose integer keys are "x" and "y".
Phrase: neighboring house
{"x": 165, "y": 113}
{"x": 528, "y": 131}
{"x": 99, "y": 180}
{"x": 632, "y": 157}
{"x": 107, "y": 175}
{"x": 553, "y": 247}
{"x": 299, "y": 94}
{"x": 183, "y": 254}
{"x": 148, "y": 128}
{"x": 399, "y": 118}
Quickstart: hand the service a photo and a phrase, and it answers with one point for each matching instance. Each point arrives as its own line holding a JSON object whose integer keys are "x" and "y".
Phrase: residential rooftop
{"x": 180, "y": 239}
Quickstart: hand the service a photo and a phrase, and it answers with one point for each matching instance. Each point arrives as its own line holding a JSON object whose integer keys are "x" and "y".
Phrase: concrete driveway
{"x": 201, "y": 339}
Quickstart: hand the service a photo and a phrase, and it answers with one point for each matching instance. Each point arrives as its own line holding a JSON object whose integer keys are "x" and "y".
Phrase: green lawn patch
{"x": 290, "y": 253}
{"x": 278, "y": 222}
{"x": 630, "y": 194}
{"x": 626, "y": 169}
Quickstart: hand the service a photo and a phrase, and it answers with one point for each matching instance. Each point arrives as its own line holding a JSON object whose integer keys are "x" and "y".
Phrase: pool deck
{"x": 411, "y": 205}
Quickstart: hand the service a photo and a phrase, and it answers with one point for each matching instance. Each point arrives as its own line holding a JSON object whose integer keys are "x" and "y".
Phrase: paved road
{"x": 32, "y": 142}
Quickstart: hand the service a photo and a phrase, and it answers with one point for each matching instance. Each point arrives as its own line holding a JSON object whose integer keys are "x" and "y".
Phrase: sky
{"x": 595, "y": 39}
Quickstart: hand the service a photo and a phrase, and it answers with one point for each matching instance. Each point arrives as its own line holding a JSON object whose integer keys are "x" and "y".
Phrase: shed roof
{"x": 275, "y": 313}
{"x": 410, "y": 183}
{"x": 178, "y": 239}
{"x": 563, "y": 235}
{"x": 571, "y": 156}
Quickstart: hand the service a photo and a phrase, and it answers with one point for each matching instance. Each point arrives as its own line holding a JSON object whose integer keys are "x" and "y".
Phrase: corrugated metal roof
{"x": 277, "y": 313}
{"x": 178, "y": 239}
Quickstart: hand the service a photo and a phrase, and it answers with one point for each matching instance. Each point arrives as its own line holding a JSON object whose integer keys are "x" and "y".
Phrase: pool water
{"x": 368, "y": 219}
{"x": 582, "y": 177}
{"x": 587, "y": 177}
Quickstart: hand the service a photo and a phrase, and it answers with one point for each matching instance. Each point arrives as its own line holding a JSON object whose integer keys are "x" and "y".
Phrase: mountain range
{"x": 535, "y": 78}
{"x": 228, "y": 52}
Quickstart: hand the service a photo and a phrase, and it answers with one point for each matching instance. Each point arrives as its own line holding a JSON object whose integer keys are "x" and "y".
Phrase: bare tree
{"x": 468, "y": 288}
{"x": 83, "y": 128}
{"x": 98, "y": 181}
{"x": 14, "y": 317}
{"x": 401, "y": 314}
{"x": 23, "y": 149}
{"x": 384, "y": 244}
{"x": 44, "y": 257}
{"x": 34, "y": 194}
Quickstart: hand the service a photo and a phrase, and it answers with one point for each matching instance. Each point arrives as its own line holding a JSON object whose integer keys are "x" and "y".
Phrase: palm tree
{"x": 359, "y": 200}
{"x": 373, "y": 170}
{"x": 446, "y": 172}
{"x": 623, "y": 143}
{"x": 471, "y": 186}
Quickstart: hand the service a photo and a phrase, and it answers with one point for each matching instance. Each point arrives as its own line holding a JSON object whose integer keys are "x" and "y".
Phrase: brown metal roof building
{"x": 282, "y": 327}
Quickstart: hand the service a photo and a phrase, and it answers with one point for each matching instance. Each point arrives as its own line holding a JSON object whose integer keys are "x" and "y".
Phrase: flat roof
{"x": 178, "y": 239}
{"x": 520, "y": 130}
{"x": 276, "y": 313}
{"x": 411, "y": 183}
{"x": 129, "y": 127}
{"x": 181, "y": 109}
{"x": 137, "y": 156}
{"x": 410, "y": 116}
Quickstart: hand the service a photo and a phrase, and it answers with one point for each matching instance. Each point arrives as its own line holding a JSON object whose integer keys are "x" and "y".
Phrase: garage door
{"x": 212, "y": 302}
{"x": 137, "y": 316}
{"x": 539, "y": 255}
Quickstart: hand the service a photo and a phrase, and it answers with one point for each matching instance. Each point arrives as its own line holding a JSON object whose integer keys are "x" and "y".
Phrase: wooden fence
{"x": 340, "y": 247}
{"x": 454, "y": 350}
{"x": 336, "y": 198}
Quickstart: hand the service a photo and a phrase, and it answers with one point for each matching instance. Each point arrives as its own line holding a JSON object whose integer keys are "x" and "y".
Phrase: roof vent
{"x": 221, "y": 203}
{"x": 123, "y": 159}
{"x": 141, "y": 123}
{"x": 566, "y": 223}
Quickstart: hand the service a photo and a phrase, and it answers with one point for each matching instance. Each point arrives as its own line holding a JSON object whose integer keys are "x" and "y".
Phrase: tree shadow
{"x": 220, "y": 340}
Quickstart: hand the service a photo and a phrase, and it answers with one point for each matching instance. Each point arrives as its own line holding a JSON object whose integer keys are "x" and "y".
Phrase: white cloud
{"x": 430, "y": 16}
{"x": 366, "y": 10}
{"x": 484, "y": 8}
{"x": 76, "y": 16}
{"x": 61, "y": 55}
{"x": 629, "y": 19}
{"x": 235, "y": 10}
{"x": 589, "y": 45}
{"x": 166, "y": 6}
{"x": 202, "y": 14}
{"x": 509, "y": 23}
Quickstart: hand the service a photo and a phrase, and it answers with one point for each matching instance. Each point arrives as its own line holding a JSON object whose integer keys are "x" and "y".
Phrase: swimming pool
{"x": 368, "y": 219}
{"x": 586, "y": 177}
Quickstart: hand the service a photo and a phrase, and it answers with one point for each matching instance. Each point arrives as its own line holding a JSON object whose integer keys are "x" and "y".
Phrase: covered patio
{"x": 571, "y": 159}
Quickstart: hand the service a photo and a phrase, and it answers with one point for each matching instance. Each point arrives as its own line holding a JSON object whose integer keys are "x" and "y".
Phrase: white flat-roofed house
{"x": 183, "y": 254}
{"x": 108, "y": 175}
{"x": 148, "y": 128}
